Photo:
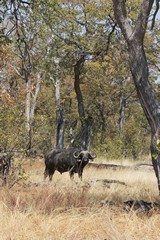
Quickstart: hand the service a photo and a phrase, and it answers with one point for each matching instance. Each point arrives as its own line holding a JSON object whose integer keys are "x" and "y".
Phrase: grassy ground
{"x": 65, "y": 210}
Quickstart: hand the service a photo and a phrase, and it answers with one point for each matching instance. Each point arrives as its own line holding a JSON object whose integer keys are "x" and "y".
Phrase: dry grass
{"x": 73, "y": 211}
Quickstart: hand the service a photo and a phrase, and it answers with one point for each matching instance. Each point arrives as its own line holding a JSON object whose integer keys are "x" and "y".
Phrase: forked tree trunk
{"x": 134, "y": 36}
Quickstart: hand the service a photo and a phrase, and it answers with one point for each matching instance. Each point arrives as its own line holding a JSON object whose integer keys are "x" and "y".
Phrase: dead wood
{"x": 107, "y": 181}
{"x": 140, "y": 206}
{"x": 106, "y": 166}
{"x": 117, "y": 166}
{"x": 143, "y": 164}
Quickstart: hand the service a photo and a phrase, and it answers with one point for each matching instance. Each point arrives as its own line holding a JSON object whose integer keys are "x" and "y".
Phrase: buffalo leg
{"x": 50, "y": 177}
{"x": 71, "y": 174}
{"x": 46, "y": 174}
{"x": 80, "y": 175}
{"x": 51, "y": 172}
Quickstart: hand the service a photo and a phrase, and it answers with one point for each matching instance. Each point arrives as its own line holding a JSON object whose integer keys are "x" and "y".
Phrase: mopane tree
{"x": 134, "y": 33}
{"x": 81, "y": 27}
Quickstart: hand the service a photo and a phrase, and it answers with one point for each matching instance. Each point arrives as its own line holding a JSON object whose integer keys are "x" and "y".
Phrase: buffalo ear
{"x": 91, "y": 157}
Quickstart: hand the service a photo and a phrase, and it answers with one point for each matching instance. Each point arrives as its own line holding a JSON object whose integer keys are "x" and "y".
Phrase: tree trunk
{"x": 122, "y": 113}
{"x": 30, "y": 110}
{"x": 101, "y": 107}
{"x": 60, "y": 121}
{"x": 60, "y": 128}
{"x": 149, "y": 103}
{"x": 28, "y": 118}
{"x": 85, "y": 136}
{"x": 134, "y": 36}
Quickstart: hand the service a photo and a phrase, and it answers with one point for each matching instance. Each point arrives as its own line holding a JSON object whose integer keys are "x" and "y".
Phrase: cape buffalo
{"x": 70, "y": 160}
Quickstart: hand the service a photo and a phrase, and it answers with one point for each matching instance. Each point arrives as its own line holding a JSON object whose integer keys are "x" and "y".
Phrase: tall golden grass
{"x": 65, "y": 210}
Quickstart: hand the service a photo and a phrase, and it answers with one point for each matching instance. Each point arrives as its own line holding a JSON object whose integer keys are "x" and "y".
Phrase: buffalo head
{"x": 83, "y": 156}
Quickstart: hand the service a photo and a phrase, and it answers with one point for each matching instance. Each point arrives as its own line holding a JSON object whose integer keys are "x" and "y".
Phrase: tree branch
{"x": 154, "y": 15}
{"x": 120, "y": 13}
{"x": 128, "y": 30}
{"x": 17, "y": 72}
{"x": 38, "y": 85}
{"x": 25, "y": 2}
{"x": 142, "y": 20}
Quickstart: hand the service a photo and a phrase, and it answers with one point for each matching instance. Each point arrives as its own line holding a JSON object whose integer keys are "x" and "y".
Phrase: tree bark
{"x": 28, "y": 118}
{"x": 60, "y": 120}
{"x": 85, "y": 126}
{"x": 101, "y": 108}
{"x": 122, "y": 113}
{"x": 134, "y": 36}
{"x": 31, "y": 100}
{"x": 59, "y": 114}
{"x": 60, "y": 128}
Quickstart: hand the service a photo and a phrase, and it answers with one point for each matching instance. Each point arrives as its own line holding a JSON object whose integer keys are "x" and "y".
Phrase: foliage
{"x": 66, "y": 30}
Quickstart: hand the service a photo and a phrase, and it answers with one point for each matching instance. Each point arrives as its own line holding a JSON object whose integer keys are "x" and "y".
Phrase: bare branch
{"x": 25, "y": 2}
{"x": 102, "y": 52}
{"x": 154, "y": 15}
{"x": 17, "y": 72}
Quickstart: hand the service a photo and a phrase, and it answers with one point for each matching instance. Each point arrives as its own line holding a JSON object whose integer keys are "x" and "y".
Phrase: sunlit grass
{"x": 65, "y": 210}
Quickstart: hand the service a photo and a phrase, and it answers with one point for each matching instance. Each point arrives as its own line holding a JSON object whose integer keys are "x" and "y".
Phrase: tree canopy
{"x": 36, "y": 33}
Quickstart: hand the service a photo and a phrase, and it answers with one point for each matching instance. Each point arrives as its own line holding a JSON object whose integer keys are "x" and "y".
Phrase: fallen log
{"x": 143, "y": 164}
{"x": 140, "y": 206}
{"x": 117, "y": 166}
{"x": 106, "y": 166}
{"x": 107, "y": 181}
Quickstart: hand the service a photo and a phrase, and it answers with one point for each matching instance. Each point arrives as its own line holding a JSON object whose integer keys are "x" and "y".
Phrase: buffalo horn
{"x": 76, "y": 156}
{"x": 91, "y": 156}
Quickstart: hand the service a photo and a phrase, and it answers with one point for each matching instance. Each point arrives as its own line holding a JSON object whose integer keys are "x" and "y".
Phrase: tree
{"x": 25, "y": 32}
{"x": 134, "y": 33}
{"x": 60, "y": 121}
{"x": 82, "y": 30}
{"x": 85, "y": 138}
{"x": 92, "y": 81}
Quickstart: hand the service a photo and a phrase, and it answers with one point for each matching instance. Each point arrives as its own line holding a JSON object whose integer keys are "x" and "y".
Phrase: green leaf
{"x": 155, "y": 156}
{"x": 158, "y": 145}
